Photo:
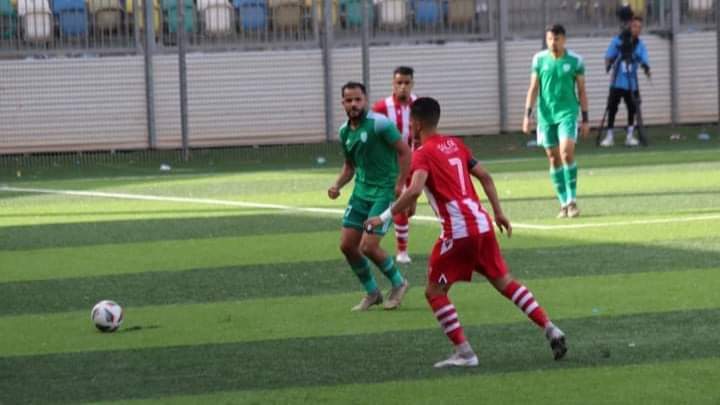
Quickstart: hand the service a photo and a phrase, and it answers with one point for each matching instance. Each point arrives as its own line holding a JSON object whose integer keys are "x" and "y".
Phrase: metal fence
{"x": 205, "y": 58}
{"x": 81, "y": 27}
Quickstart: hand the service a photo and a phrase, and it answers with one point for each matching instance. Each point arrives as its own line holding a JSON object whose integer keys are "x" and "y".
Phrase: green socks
{"x": 362, "y": 271}
{"x": 571, "y": 181}
{"x": 557, "y": 175}
{"x": 390, "y": 270}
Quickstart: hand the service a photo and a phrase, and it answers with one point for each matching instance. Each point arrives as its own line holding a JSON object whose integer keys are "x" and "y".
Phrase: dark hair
{"x": 637, "y": 18}
{"x": 556, "y": 29}
{"x": 404, "y": 70}
{"x": 353, "y": 85}
{"x": 426, "y": 110}
{"x": 625, "y": 14}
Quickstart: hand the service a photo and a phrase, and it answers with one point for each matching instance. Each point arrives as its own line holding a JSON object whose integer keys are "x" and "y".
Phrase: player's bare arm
{"x": 347, "y": 173}
{"x": 407, "y": 200}
{"x": 582, "y": 95}
{"x": 404, "y": 158}
{"x": 530, "y": 102}
{"x": 488, "y": 185}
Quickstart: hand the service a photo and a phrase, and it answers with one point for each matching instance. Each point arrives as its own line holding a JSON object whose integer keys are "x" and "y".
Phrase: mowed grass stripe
{"x": 82, "y": 230}
{"x": 151, "y": 229}
{"x": 173, "y": 255}
{"x": 674, "y": 382}
{"x": 329, "y": 315}
{"x": 357, "y": 359}
{"x": 334, "y": 276}
{"x": 646, "y": 184}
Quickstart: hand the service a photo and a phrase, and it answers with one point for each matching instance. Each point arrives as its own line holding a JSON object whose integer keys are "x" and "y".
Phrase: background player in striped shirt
{"x": 379, "y": 160}
{"x": 397, "y": 108}
{"x": 442, "y": 166}
{"x": 556, "y": 72}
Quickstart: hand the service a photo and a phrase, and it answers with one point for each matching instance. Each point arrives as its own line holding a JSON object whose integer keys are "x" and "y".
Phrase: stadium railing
{"x": 88, "y": 27}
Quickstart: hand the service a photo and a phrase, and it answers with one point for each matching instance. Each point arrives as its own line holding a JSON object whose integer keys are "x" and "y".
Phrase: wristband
{"x": 585, "y": 116}
{"x": 386, "y": 215}
{"x": 529, "y": 112}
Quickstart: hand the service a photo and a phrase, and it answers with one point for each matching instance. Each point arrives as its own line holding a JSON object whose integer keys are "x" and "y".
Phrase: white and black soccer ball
{"x": 107, "y": 316}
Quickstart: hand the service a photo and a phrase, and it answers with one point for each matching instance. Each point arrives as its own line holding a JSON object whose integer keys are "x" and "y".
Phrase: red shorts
{"x": 456, "y": 260}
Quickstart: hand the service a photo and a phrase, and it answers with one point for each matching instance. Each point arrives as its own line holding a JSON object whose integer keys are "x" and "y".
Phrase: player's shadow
{"x": 138, "y": 328}
{"x": 615, "y": 196}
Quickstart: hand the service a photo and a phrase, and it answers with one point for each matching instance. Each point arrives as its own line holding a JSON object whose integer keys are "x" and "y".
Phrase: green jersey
{"x": 370, "y": 148}
{"x": 557, "y": 101}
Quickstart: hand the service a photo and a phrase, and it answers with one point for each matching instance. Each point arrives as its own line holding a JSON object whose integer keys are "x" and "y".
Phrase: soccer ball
{"x": 107, "y": 316}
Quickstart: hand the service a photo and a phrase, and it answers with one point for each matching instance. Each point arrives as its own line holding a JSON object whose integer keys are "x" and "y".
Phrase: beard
{"x": 355, "y": 113}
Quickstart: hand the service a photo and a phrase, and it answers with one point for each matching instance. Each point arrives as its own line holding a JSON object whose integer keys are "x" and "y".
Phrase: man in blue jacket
{"x": 624, "y": 54}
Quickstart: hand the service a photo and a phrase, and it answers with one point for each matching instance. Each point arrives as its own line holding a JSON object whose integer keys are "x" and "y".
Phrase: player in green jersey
{"x": 379, "y": 160}
{"x": 556, "y": 72}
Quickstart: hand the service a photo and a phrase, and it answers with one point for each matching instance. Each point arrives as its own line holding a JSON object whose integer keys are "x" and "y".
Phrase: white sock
{"x": 465, "y": 350}
{"x": 630, "y": 130}
{"x": 609, "y": 133}
{"x": 552, "y": 331}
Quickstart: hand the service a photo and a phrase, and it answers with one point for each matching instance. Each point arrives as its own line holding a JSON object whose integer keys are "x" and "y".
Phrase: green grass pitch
{"x": 231, "y": 303}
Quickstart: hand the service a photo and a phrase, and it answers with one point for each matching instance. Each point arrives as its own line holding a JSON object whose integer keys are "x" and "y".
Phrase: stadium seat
{"x": 140, "y": 18}
{"x": 286, "y": 14}
{"x": 393, "y": 13}
{"x": 106, "y": 14}
{"x": 216, "y": 16}
{"x": 8, "y": 20}
{"x": 171, "y": 18}
{"x": 460, "y": 12}
{"x": 353, "y": 12}
{"x": 427, "y": 12}
{"x": 37, "y": 21}
{"x": 252, "y": 14}
{"x": 319, "y": 13}
{"x": 71, "y": 16}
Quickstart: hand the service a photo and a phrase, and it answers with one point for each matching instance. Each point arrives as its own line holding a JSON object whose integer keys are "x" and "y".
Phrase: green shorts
{"x": 360, "y": 209}
{"x": 549, "y": 136}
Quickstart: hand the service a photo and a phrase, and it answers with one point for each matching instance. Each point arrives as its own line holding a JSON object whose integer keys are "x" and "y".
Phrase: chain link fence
{"x": 92, "y": 75}
{"x": 87, "y": 27}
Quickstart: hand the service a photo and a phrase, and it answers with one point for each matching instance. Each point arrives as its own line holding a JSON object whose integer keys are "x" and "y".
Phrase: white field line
{"x": 335, "y": 211}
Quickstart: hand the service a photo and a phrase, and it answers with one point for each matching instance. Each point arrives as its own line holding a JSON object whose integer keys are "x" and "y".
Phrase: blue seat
{"x": 71, "y": 16}
{"x": 427, "y": 12}
{"x": 252, "y": 14}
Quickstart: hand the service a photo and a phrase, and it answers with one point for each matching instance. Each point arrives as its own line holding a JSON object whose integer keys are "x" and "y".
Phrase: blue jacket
{"x": 640, "y": 56}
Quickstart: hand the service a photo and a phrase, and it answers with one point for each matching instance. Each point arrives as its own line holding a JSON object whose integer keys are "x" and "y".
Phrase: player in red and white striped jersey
{"x": 397, "y": 108}
{"x": 443, "y": 166}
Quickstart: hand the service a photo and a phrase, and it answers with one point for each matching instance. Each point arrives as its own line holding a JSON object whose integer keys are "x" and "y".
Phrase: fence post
{"x": 136, "y": 29}
{"x": 366, "y": 45}
{"x": 182, "y": 67}
{"x": 661, "y": 14}
{"x": 502, "y": 72}
{"x": 674, "y": 29}
{"x": 544, "y": 23}
{"x": 327, "y": 45}
{"x": 147, "y": 13}
{"x": 717, "y": 54}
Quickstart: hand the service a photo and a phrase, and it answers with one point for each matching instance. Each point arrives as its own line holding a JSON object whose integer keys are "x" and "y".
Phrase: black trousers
{"x": 616, "y": 95}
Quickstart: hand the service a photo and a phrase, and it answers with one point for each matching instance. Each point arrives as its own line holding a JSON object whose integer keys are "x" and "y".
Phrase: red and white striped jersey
{"x": 449, "y": 187}
{"x": 398, "y": 113}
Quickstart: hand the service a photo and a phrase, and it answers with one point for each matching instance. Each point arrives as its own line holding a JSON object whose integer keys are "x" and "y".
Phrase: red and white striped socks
{"x": 523, "y": 298}
{"x": 447, "y": 317}
{"x": 402, "y": 231}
